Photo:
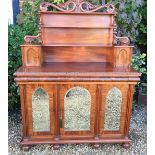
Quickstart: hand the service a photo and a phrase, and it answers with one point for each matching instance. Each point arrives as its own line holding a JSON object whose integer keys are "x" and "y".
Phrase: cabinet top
{"x": 73, "y": 71}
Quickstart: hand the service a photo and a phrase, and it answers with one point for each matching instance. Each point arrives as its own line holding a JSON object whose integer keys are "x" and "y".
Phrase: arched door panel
{"x": 40, "y": 110}
{"x": 77, "y": 110}
{"x": 113, "y": 109}
{"x": 77, "y": 107}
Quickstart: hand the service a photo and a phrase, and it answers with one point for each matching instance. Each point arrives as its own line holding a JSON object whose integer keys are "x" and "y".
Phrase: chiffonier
{"x": 76, "y": 82}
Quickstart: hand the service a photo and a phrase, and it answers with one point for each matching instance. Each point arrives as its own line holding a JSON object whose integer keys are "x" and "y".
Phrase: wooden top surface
{"x": 76, "y": 69}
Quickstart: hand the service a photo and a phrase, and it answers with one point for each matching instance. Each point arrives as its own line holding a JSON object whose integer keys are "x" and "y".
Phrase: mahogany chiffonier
{"x": 76, "y": 84}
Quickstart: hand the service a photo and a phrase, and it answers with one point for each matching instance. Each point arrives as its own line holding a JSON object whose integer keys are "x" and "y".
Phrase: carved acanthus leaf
{"x": 30, "y": 39}
{"x": 77, "y": 6}
{"x": 122, "y": 41}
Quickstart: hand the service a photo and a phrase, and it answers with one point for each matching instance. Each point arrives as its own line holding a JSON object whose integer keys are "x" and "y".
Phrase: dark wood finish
{"x": 77, "y": 46}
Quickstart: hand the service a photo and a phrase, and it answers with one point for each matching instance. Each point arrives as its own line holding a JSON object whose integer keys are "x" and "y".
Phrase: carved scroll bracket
{"x": 77, "y": 6}
{"x": 33, "y": 39}
{"x": 121, "y": 41}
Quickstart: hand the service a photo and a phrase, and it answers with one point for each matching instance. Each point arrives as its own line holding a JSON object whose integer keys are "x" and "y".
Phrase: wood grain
{"x": 78, "y": 54}
{"x": 122, "y": 56}
{"x": 76, "y": 49}
{"x": 76, "y": 20}
{"x": 74, "y": 35}
{"x": 32, "y": 55}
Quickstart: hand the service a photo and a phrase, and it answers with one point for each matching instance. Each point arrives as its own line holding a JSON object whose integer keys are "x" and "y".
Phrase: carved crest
{"x": 77, "y": 6}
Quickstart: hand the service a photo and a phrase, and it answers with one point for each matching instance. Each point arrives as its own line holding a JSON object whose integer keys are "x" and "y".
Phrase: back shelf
{"x": 36, "y": 55}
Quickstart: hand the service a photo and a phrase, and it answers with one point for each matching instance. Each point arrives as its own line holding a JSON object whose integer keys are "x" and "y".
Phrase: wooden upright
{"x": 76, "y": 84}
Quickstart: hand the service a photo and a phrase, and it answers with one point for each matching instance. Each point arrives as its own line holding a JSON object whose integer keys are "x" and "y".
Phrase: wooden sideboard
{"x": 76, "y": 84}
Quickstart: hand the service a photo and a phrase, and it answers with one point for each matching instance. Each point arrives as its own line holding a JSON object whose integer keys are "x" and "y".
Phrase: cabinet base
{"x": 96, "y": 146}
{"x": 126, "y": 145}
{"x": 56, "y": 146}
{"x": 25, "y": 147}
{"x": 96, "y": 142}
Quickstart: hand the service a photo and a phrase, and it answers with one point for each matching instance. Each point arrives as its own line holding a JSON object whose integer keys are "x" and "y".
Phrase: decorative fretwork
{"x": 113, "y": 110}
{"x": 78, "y": 6}
{"x": 77, "y": 107}
{"x": 40, "y": 111}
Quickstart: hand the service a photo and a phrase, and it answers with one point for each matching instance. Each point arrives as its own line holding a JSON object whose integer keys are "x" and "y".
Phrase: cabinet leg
{"x": 56, "y": 146}
{"x": 126, "y": 145}
{"x": 25, "y": 147}
{"x": 96, "y": 146}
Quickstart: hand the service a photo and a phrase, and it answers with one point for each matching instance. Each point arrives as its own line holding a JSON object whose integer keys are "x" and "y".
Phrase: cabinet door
{"x": 113, "y": 109}
{"x": 77, "y": 110}
{"x": 40, "y": 110}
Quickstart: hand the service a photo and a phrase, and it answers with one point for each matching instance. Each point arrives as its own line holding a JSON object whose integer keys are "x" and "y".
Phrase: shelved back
{"x": 76, "y": 28}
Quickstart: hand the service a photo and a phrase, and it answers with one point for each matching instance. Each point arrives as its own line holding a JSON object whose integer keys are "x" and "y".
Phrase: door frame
{"x": 78, "y": 134}
{"x": 105, "y": 88}
{"x": 50, "y": 90}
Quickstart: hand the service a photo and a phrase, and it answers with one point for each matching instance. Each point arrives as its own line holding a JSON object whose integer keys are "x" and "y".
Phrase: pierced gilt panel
{"x": 113, "y": 110}
{"x": 77, "y": 106}
{"x": 40, "y": 111}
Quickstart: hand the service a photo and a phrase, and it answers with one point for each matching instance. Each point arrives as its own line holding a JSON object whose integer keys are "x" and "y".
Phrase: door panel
{"x": 41, "y": 119}
{"x": 77, "y": 114}
{"x": 113, "y": 109}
